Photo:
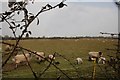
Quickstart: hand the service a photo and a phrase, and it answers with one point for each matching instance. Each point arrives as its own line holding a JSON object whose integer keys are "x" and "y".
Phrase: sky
{"x": 67, "y": 0}
{"x": 77, "y": 19}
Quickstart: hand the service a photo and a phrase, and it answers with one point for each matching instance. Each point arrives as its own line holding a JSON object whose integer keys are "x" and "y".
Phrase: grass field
{"x": 69, "y": 48}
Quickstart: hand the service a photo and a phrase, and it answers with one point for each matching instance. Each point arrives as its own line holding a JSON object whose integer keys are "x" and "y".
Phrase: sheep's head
{"x": 35, "y": 52}
{"x": 30, "y": 54}
{"x": 100, "y": 53}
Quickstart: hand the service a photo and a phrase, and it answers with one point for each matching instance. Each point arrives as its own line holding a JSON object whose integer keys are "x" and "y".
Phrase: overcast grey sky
{"x": 78, "y": 19}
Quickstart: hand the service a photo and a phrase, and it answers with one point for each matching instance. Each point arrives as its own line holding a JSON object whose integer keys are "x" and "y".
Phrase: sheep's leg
{"x": 81, "y": 61}
{"x": 16, "y": 65}
{"x": 27, "y": 61}
{"x": 77, "y": 62}
{"x": 90, "y": 58}
{"x": 103, "y": 62}
{"x": 99, "y": 60}
{"x": 40, "y": 59}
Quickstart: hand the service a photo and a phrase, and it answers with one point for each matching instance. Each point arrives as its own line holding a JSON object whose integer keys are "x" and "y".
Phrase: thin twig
{"x": 30, "y": 66}
{"x": 46, "y": 68}
{"x": 70, "y": 64}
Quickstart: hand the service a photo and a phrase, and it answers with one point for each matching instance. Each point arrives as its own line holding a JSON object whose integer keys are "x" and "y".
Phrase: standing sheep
{"x": 94, "y": 55}
{"x": 21, "y": 58}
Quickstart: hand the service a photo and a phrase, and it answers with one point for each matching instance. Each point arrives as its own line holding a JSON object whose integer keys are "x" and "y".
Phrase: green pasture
{"x": 70, "y": 49}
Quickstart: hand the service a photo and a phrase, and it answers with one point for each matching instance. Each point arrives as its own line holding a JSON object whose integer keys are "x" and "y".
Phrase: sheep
{"x": 41, "y": 56}
{"x": 21, "y": 58}
{"x": 112, "y": 61}
{"x": 50, "y": 56}
{"x": 102, "y": 59}
{"x": 95, "y": 56}
{"x": 79, "y": 60}
{"x": 8, "y": 48}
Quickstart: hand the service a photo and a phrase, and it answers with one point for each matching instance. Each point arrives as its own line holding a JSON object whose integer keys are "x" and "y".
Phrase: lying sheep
{"x": 41, "y": 56}
{"x": 21, "y": 58}
{"x": 94, "y": 55}
{"x": 79, "y": 60}
{"x": 50, "y": 56}
{"x": 8, "y": 48}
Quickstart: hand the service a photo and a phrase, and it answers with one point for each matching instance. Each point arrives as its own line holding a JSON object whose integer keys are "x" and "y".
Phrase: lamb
{"x": 50, "y": 56}
{"x": 21, "y": 58}
{"x": 79, "y": 60}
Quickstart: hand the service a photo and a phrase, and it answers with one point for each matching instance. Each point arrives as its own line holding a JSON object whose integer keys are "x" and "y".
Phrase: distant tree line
{"x": 6, "y": 37}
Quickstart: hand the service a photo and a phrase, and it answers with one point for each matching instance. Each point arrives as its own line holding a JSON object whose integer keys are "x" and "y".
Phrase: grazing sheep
{"x": 50, "y": 56}
{"x": 21, "y": 58}
{"x": 102, "y": 59}
{"x": 94, "y": 55}
{"x": 79, "y": 60}
{"x": 42, "y": 54}
{"x": 112, "y": 61}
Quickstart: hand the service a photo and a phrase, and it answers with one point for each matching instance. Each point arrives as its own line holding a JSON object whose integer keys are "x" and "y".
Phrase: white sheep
{"x": 94, "y": 55}
{"x": 79, "y": 60}
{"x": 102, "y": 59}
{"x": 50, "y": 56}
{"x": 41, "y": 56}
{"x": 21, "y": 58}
{"x": 8, "y": 48}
